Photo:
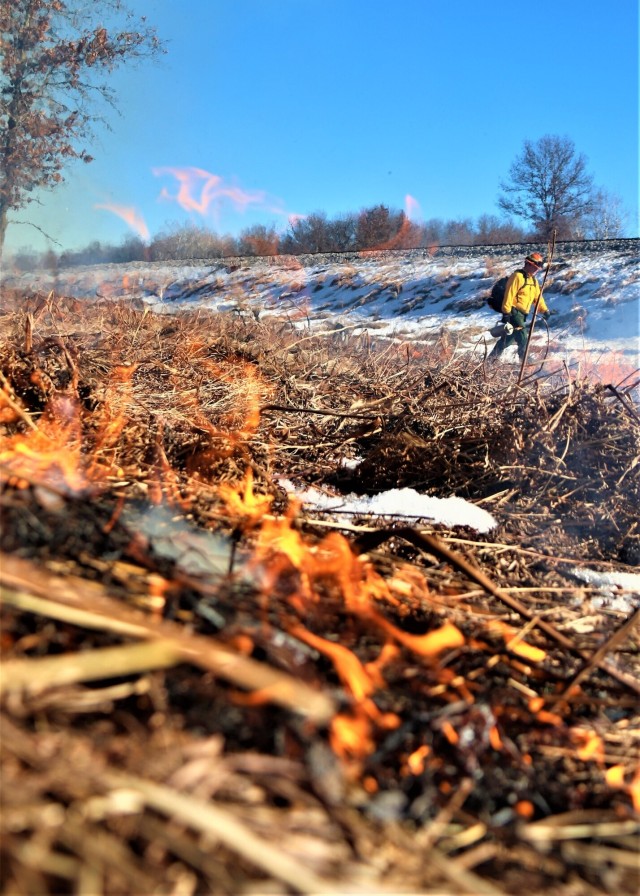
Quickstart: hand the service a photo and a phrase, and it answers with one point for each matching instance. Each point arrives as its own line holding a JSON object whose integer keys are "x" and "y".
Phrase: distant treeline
{"x": 378, "y": 227}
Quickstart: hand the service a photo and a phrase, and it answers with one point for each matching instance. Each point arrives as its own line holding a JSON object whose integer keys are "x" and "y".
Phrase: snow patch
{"x": 618, "y": 590}
{"x": 397, "y": 502}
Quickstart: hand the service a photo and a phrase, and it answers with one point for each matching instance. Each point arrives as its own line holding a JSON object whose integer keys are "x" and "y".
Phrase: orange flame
{"x": 351, "y": 736}
{"x": 589, "y": 745}
{"x": 616, "y": 777}
{"x": 450, "y": 732}
{"x": 52, "y": 453}
{"x": 55, "y": 452}
{"x": 427, "y": 646}
{"x": 246, "y": 505}
{"x": 515, "y": 643}
{"x": 130, "y": 215}
{"x": 416, "y": 762}
{"x": 353, "y": 674}
{"x": 199, "y": 190}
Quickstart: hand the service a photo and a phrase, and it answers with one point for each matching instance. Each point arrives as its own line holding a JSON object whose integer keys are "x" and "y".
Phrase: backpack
{"x": 496, "y": 296}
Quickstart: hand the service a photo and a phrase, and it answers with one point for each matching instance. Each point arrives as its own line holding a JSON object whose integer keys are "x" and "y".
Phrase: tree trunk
{"x": 3, "y": 225}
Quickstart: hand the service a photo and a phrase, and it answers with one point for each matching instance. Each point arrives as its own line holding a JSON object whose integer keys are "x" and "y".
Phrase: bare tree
{"x": 258, "y": 240}
{"x": 307, "y": 235}
{"x": 55, "y": 56}
{"x": 188, "y": 241}
{"x": 458, "y": 233}
{"x": 493, "y": 231}
{"x": 549, "y": 187}
{"x": 607, "y": 217}
{"x": 342, "y": 232}
{"x": 380, "y": 227}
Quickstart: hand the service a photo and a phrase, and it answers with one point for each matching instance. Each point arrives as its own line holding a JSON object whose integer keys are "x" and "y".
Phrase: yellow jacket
{"x": 521, "y": 292}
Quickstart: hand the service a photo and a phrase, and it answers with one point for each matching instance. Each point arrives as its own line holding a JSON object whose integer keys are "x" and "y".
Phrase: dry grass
{"x": 207, "y": 689}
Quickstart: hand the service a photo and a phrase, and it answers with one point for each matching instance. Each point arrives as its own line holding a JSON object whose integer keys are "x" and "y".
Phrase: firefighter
{"x": 520, "y": 294}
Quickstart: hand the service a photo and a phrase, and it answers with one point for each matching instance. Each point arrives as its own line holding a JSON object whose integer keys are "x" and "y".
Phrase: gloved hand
{"x": 546, "y": 315}
{"x": 508, "y": 328}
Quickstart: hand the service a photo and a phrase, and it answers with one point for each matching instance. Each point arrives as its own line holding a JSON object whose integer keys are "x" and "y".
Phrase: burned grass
{"x": 207, "y": 688}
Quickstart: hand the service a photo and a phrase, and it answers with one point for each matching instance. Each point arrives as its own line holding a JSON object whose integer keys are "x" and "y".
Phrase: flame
{"x": 427, "y": 646}
{"x": 130, "y": 215}
{"x": 10, "y": 410}
{"x": 494, "y": 738}
{"x": 370, "y": 784}
{"x": 616, "y": 777}
{"x": 525, "y": 809}
{"x": 57, "y": 453}
{"x": 51, "y": 454}
{"x": 450, "y": 732}
{"x": 608, "y": 367}
{"x": 199, "y": 190}
{"x": 388, "y": 653}
{"x": 353, "y": 674}
{"x": 412, "y": 208}
{"x": 549, "y": 718}
{"x": 279, "y": 549}
{"x": 351, "y": 736}
{"x": 514, "y": 642}
{"x": 251, "y": 508}
{"x": 588, "y": 744}
{"x": 417, "y": 761}
{"x": 634, "y": 790}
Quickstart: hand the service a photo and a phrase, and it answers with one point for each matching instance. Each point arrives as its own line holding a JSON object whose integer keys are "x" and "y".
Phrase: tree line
{"x": 54, "y": 66}
{"x": 376, "y": 228}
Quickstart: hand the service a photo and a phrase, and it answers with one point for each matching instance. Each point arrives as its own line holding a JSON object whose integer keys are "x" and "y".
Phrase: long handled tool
{"x": 551, "y": 248}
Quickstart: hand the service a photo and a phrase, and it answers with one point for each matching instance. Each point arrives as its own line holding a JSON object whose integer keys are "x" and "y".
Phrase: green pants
{"x": 518, "y": 321}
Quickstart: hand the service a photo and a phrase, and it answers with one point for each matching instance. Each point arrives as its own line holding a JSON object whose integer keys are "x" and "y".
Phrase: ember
{"x": 206, "y": 682}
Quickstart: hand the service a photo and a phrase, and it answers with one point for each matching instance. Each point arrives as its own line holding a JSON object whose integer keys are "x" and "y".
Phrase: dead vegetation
{"x": 208, "y": 689}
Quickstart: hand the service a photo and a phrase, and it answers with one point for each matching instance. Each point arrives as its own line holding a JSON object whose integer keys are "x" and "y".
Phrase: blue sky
{"x": 263, "y": 109}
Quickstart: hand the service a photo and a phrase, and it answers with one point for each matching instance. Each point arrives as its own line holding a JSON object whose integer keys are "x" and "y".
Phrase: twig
{"x": 436, "y": 546}
{"x": 326, "y": 413}
{"x": 221, "y": 825}
{"x": 430, "y": 836}
{"x": 86, "y": 603}
{"x": 35, "y": 675}
{"x": 610, "y": 644}
{"x": 578, "y": 825}
{"x": 623, "y": 401}
{"x": 43, "y": 232}
{"x": 13, "y": 404}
